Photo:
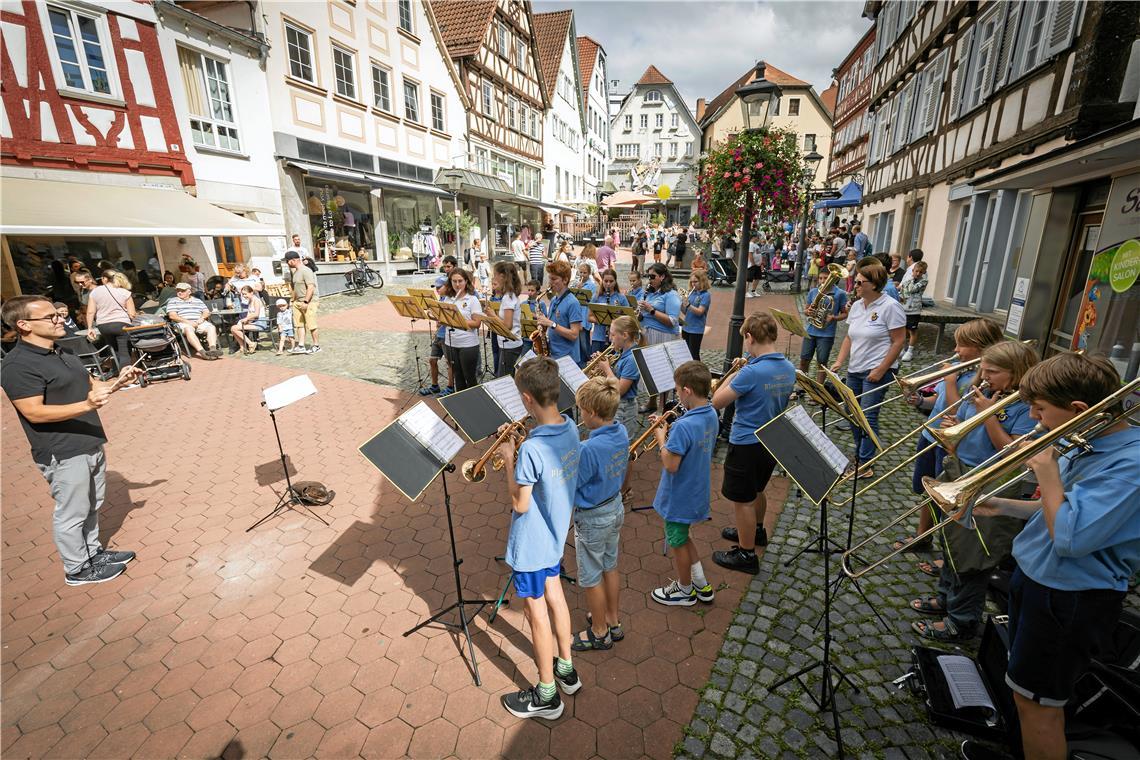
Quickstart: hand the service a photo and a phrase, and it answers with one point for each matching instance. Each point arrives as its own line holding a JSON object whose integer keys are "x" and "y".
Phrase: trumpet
{"x": 821, "y": 306}
{"x": 647, "y": 441}
{"x": 736, "y": 366}
{"x": 593, "y": 368}
{"x": 538, "y": 342}
{"x": 474, "y": 470}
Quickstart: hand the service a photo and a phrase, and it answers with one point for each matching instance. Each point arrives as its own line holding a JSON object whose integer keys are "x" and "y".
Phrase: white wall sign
{"x": 1017, "y": 306}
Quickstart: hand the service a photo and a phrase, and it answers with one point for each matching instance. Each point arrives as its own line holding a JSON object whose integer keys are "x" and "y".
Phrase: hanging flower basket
{"x": 767, "y": 162}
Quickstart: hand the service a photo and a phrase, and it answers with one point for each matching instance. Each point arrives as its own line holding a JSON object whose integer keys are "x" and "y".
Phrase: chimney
{"x": 700, "y": 108}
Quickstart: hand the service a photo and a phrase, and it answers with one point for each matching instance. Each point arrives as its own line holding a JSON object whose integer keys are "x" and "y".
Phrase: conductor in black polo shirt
{"x": 57, "y": 401}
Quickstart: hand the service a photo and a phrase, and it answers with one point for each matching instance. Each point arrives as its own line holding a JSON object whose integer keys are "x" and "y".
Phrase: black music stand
{"x": 814, "y": 463}
{"x": 407, "y": 306}
{"x": 273, "y": 398}
{"x": 410, "y": 452}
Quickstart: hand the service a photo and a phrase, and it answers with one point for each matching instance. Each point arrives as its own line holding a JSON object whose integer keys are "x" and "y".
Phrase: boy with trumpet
{"x": 1079, "y": 549}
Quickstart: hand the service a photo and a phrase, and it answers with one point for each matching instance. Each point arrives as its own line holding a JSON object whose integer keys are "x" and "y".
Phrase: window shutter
{"x": 1063, "y": 18}
{"x": 961, "y": 74}
{"x": 901, "y": 121}
{"x": 932, "y": 95}
{"x": 873, "y": 151}
{"x": 1003, "y": 64}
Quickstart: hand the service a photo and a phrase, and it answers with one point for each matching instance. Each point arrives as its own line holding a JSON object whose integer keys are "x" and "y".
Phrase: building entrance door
{"x": 1063, "y": 336}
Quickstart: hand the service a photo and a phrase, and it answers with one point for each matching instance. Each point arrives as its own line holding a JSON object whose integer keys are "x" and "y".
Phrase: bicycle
{"x": 362, "y": 276}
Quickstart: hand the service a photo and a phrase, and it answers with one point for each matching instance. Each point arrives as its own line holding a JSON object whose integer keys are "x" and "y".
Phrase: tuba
{"x": 819, "y": 309}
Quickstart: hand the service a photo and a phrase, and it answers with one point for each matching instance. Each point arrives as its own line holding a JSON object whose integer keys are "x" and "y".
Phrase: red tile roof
{"x": 771, "y": 73}
{"x": 828, "y": 97}
{"x": 551, "y": 30}
{"x": 653, "y": 76}
{"x": 587, "y": 57}
{"x": 463, "y": 25}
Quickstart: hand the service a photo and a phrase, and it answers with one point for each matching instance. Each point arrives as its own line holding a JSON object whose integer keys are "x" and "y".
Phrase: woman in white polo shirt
{"x": 876, "y": 332}
{"x": 508, "y": 284}
{"x": 463, "y": 345}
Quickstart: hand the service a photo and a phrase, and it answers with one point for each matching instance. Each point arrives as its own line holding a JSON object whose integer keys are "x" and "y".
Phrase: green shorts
{"x": 676, "y": 534}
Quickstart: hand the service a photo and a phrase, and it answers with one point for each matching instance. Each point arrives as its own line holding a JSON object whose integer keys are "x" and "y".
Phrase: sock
{"x": 698, "y": 573}
{"x": 563, "y": 667}
{"x": 546, "y": 691}
{"x": 686, "y": 589}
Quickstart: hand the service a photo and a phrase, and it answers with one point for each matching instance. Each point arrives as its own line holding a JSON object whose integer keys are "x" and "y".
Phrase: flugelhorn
{"x": 474, "y": 470}
{"x": 820, "y": 307}
{"x": 593, "y": 368}
{"x": 647, "y": 441}
{"x": 737, "y": 365}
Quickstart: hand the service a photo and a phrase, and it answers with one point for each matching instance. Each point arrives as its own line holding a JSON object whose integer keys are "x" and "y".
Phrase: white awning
{"x": 53, "y": 207}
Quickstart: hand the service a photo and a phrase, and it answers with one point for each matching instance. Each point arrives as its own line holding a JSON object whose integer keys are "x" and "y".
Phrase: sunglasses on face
{"x": 860, "y": 282}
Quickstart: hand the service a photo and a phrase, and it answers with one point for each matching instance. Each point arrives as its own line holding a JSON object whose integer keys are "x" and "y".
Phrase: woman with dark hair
{"x": 611, "y": 295}
{"x": 660, "y": 311}
{"x": 462, "y": 346}
{"x": 109, "y": 310}
{"x": 253, "y": 320}
{"x": 508, "y": 286}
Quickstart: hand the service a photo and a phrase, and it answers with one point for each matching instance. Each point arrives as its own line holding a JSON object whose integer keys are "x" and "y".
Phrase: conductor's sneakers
{"x": 527, "y": 704}
{"x": 105, "y": 557}
{"x": 92, "y": 573}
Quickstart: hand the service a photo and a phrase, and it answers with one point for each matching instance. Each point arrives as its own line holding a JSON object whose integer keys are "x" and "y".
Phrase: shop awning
{"x": 850, "y": 195}
{"x": 52, "y": 207}
{"x": 628, "y": 199}
{"x": 557, "y": 208}
{"x": 328, "y": 172}
{"x": 407, "y": 184}
{"x": 476, "y": 184}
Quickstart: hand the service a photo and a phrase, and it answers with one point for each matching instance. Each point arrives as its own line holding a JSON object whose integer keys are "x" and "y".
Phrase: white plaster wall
{"x": 671, "y": 171}
{"x": 601, "y": 149}
{"x": 556, "y": 155}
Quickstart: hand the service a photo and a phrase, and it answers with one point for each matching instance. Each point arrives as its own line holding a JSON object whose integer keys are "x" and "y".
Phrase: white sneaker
{"x": 673, "y": 596}
{"x": 907, "y": 355}
{"x": 298, "y": 350}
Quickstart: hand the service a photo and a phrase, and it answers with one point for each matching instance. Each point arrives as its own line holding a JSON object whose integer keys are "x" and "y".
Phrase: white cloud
{"x": 705, "y": 46}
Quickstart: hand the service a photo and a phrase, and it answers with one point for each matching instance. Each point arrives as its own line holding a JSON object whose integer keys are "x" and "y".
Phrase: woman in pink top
{"x": 109, "y": 310}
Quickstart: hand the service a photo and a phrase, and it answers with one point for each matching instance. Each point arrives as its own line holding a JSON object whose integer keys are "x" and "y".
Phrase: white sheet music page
{"x": 506, "y": 394}
{"x": 678, "y": 352}
{"x": 965, "y": 682}
{"x": 526, "y": 358}
{"x": 283, "y": 394}
{"x": 799, "y": 417}
{"x": 570, "y": 372}
{"x": 434, "y": 434}
{"x": 660, "y": 368}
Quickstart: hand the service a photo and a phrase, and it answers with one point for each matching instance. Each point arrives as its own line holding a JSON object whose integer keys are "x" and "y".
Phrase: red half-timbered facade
{"x": 84, "y": 88}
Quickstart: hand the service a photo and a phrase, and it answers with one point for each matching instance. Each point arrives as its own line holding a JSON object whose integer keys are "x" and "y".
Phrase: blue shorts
{"x": 821, "y": 347}
{"x": 532, "y": 585}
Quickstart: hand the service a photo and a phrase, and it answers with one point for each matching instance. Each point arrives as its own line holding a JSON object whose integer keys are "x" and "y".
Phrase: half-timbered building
{"x": 94, "y": 165}
{"x": 492, "y": 45}
{"x": 968, "y": 97}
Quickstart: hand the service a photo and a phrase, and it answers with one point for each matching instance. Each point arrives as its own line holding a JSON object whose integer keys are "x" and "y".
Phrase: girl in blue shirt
{"x": 635, "y": 292}
{"x": 625, "y": 336}
{"x": 610, "y": 295}
{"x": 585, "y": 282}
{"x": 696, "y": 311}
{"x": 660, "y": 313}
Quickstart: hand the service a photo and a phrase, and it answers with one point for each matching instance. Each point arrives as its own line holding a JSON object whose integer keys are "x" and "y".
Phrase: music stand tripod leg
{"x": 461, "y": 604}
{"x": 289, "y": 499}
{"x": 502, "y": 600}
{"x": 416, "y": 352}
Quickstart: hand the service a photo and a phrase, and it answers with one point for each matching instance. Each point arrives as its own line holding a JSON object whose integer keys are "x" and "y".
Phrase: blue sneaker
{"x": 446, "y": 391}
{"x": 431, "y": 390}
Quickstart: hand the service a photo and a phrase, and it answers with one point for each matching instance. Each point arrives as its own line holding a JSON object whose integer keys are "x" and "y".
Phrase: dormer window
{"x": 653, "y": 96}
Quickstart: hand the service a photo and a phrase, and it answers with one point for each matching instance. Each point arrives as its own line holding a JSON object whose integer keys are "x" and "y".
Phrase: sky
{"x": 706, "y": 46}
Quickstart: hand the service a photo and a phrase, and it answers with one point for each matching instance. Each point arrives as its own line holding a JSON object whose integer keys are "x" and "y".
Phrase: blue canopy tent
{"x": 850, "y": 195}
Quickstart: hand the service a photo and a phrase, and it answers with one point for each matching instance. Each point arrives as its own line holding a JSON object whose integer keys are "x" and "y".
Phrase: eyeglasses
{"x": 54, "y": 318}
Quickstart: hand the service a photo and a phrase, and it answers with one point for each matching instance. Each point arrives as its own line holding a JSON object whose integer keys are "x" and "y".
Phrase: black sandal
{"x": 591, "y": 642}
{"x": 908, "y": 544}
{"x": 931, "y": 568}
{"x": 928, "y": 606}
{"x": 616, "y": 631}
{"x": 949, "y": 633}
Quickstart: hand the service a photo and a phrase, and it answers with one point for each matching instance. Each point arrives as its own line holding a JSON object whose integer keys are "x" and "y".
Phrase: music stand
{"x": 791, "y": 323}
{"x": 814, "y": 463}
{"x": 278, "y": 397}
{"x": 407, "y": 306}
{"x": 582, "y": 294}
{"x": 410, "y": 452}
{"x": 604, "y": 313}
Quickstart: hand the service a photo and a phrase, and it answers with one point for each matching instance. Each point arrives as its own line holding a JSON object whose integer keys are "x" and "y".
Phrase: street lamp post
{"x": 811, "y": 163}
{"x": 454, "y": 179}
{"x": 756, "y": 99}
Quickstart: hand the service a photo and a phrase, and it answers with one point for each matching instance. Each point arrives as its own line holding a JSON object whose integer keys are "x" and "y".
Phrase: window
{"x": 381, "y": 88}
{"x": 520, "y": 54}
{"x": 644, "y": 121}
{"x": 629, "y": 121}
{"x": 79, "y": 43}
{"x": 411, "y": 101}
{"x": 503, "y": 39}
{"x": 688, "y": 150}
{"x": 344, "y": 70}
{"x": 982, "y": 60}
{"x": 793, "y": 106}
{"x": 405, "y": 8}
{"x": 809, "y": 143}
{"x": 653, "y": 96}
{"x": 1033, "y": 38}
{"x": 488, "y": 99}
{"x": 673, "y": 151}
{"x": 512, "y": 104}
{"x": 438, "y": 123}
{"x": 674, "y": 121}
{"x": 659, "y": 121}
{"x": 299, "y": 45}
{"x": 206, "y": 80}
{"x": 657, "y": 149}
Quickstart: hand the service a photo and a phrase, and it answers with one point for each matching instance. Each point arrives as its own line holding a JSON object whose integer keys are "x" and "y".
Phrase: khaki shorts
{"x": 307, "y": 318}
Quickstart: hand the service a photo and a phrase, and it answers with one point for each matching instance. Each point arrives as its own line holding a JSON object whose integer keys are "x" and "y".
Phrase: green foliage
{"x": 446, "y": 222}
{"x": 658, "y": 218}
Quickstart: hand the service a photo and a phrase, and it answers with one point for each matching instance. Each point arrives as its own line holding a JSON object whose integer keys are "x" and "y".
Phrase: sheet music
{"x": 678, "y": 353}
{"x": 571, "y": 373}
{"x": 659, "y": 366}
{"x": 799, "y": 417}
{"x": 506, "y": 394}
{"x": 965, "y": 682}
{"x": 434, "y": 434}
{"x": 526, "y": 358}
{"x": 283, "y": 394}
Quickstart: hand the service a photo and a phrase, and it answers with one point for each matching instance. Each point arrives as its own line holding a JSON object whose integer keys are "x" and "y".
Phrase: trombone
{"x": 647, "y": 441}
{"x": 956, "y": 499}
{"x": 912, "y": 382}
{"x": 917, "y": 374}
{"x": 474, "y": 470}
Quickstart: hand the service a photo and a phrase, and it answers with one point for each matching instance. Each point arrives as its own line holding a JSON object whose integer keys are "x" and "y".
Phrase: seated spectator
{"x": 253, "y": 320}
{"x": 64, "y": 311}
{"x": 166, "y": 291}
{"x": 190, "y": 315}
{"x": 241, "y": 279}
{"x": 215, "y": 288}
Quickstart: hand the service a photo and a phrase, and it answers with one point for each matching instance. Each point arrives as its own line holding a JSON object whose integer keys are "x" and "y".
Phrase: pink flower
{"x": 736, "y": 185}
{"x": 727, "y": 175}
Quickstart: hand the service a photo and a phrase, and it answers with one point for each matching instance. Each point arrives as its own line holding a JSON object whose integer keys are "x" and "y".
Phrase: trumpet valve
{"x": 470, "y": 474}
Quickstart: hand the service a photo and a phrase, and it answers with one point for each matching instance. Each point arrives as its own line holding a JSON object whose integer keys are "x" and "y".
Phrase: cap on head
{"x": 281, "y": 302}
{"x": 292, "y": 255}
{"x": 183, "y": 286}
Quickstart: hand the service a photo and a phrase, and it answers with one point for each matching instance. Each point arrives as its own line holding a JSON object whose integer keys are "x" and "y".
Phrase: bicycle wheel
{"x": 375, "y": 279}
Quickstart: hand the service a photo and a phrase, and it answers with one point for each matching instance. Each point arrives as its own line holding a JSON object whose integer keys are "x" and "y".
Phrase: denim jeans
{"x": 963, "y": 596}
{"x": 537, "y": 272}
{"x": 858, "y": 383}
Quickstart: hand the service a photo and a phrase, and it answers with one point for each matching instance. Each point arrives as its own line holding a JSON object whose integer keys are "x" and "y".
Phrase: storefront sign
{"x": 1122, "y": 213}
{"x": 1125, "y": 266}
{"x": 1017, "y": 306}
{"x": 326, "y": 222}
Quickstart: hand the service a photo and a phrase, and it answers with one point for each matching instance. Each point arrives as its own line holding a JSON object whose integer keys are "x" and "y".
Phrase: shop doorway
{"x": 1065, "y": 330}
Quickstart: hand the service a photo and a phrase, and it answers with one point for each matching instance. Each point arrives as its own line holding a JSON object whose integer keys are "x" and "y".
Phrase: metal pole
{"x": 458, "y": 241}
{"x": 735, "y": 344}
{"x": 797, "y": 270}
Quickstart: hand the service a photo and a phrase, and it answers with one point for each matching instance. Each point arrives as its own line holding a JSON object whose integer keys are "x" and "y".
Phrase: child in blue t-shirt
{"x": 542, "y": 478}
{"x": 437, "y": 352}
{"x": 760, "y": 391}
{"x": 695, "y": 312}
{"x": 610, "y": 295}
{"x": 683, "y": 494}
{"x": 635, "y": 292}
{"x": 625, "y": 335}
{"x": 599, "y": 512}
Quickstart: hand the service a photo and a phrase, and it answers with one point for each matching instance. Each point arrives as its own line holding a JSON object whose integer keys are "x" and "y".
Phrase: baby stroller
{"x": 156, "y": 350}
{"x": 776, "y": 275}
{"x": 722, "y": 271}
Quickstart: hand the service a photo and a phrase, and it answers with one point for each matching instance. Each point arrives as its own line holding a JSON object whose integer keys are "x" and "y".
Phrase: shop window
{"x": 411, "y": 101}
{"x": 344, "y": 70}
{"x": 82, "y": 50}
{"x": 210, "y": 100}
{"x": 299, "y": 47}
{"x": 382, "y": 88}
{"x": 340, "y": 220}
